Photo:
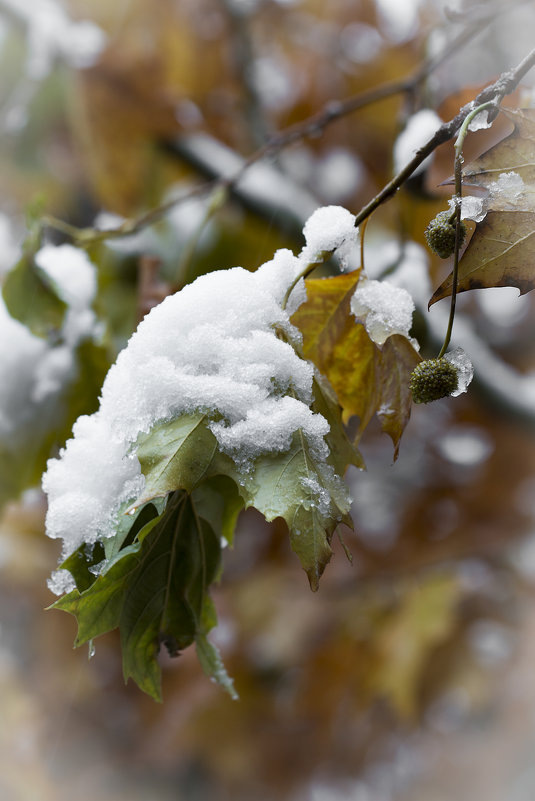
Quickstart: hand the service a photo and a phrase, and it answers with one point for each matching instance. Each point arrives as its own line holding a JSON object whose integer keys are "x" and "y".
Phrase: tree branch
{"x": 495, "y": 92}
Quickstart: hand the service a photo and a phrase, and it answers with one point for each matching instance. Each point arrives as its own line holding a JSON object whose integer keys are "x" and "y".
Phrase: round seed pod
{"x": 433, "y": 379}
{"x": 440, "y": 234}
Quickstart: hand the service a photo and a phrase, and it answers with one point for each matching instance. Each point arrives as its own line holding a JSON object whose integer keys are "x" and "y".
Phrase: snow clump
{"x": 222, "y": 346}
{"x": 384, "y": 309}
{"x": 331, "y": 229}
{"x": 503, "y": 194}
{"x": 465, "y": 369}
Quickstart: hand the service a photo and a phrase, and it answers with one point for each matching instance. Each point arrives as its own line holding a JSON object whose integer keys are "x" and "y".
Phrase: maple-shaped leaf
{"x": 501, "y": 251}
{"x": 368, "y": 379}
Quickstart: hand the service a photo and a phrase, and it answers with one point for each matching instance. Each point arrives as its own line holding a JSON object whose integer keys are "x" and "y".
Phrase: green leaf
{"x": 297, "y": 486}
{"x": 80, "y": 564}
{"x": 221, "y": 502}
{"x": 178, "y": 454}
{"x": 31, "y": 297}
{"x": 154, "y": 591}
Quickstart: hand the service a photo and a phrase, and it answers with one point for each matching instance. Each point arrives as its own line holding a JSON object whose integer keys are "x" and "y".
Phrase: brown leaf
{"x": 501, "y": 253}
{"x": 502, "y": 249}
{"x": 367, "y": 379}
{"x": 515, "y": 153}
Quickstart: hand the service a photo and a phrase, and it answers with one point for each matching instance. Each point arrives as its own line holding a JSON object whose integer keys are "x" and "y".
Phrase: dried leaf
{"x": 501, "y": 253}
{"x": 502, "y": 249}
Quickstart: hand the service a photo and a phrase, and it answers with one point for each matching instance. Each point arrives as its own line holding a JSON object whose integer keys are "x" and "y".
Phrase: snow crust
{"x": 327, "y": 229}
{"x": 384, "y": 309}
{"x": 406, "y": 264}
{"x": 331, "y": 229}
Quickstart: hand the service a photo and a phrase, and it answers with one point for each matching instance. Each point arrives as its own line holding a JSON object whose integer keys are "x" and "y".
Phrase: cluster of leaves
{"x": 166, "y": 552}
{"x": 160, "y": 564}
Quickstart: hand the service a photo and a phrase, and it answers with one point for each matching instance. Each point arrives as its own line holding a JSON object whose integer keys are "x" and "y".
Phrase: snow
{"x": 418, "y": 130}
{"x": 502, "y": 194}
{"x": 383, "y": 308}
{"x": 509, "y": 188}
{"x": 405, "y": 263}
{"x": 328, "y": 230}
{"x": 465, "y": 369}
{"x": 71, "y": 272}
{"x": 33, "y": 372}
{"x": 339, "y": 174}
{"x": 398, "y": 21}
{"x": 9, "y": 250}
{"x": 480, "y": 121}
{"x": 472, "y": 208}
{"x": 75, "y": 281}
{"x": 221, "y": 346}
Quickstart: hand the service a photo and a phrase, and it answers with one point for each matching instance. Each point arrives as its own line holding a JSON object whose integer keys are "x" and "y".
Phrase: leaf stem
{"x": 307, "y": 269}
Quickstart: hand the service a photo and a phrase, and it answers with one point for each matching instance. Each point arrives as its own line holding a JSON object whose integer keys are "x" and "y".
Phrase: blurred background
{"x": 409, "y": 676}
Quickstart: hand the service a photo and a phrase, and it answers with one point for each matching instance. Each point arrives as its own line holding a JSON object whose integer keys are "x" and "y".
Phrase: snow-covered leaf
{"x": 312, "y": 499}
{"x": 296, "y": 483}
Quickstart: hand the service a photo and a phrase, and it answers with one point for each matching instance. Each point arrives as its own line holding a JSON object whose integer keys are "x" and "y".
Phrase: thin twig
{"x": 495, "y": 92}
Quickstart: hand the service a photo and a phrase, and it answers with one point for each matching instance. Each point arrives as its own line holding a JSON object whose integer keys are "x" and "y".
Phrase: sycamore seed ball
{"x": 433, "y": 379}
{"x": 440, "y": 234}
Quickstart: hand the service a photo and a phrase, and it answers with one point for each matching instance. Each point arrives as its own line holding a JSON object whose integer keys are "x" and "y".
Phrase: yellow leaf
{"x": 367, "y": 379}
